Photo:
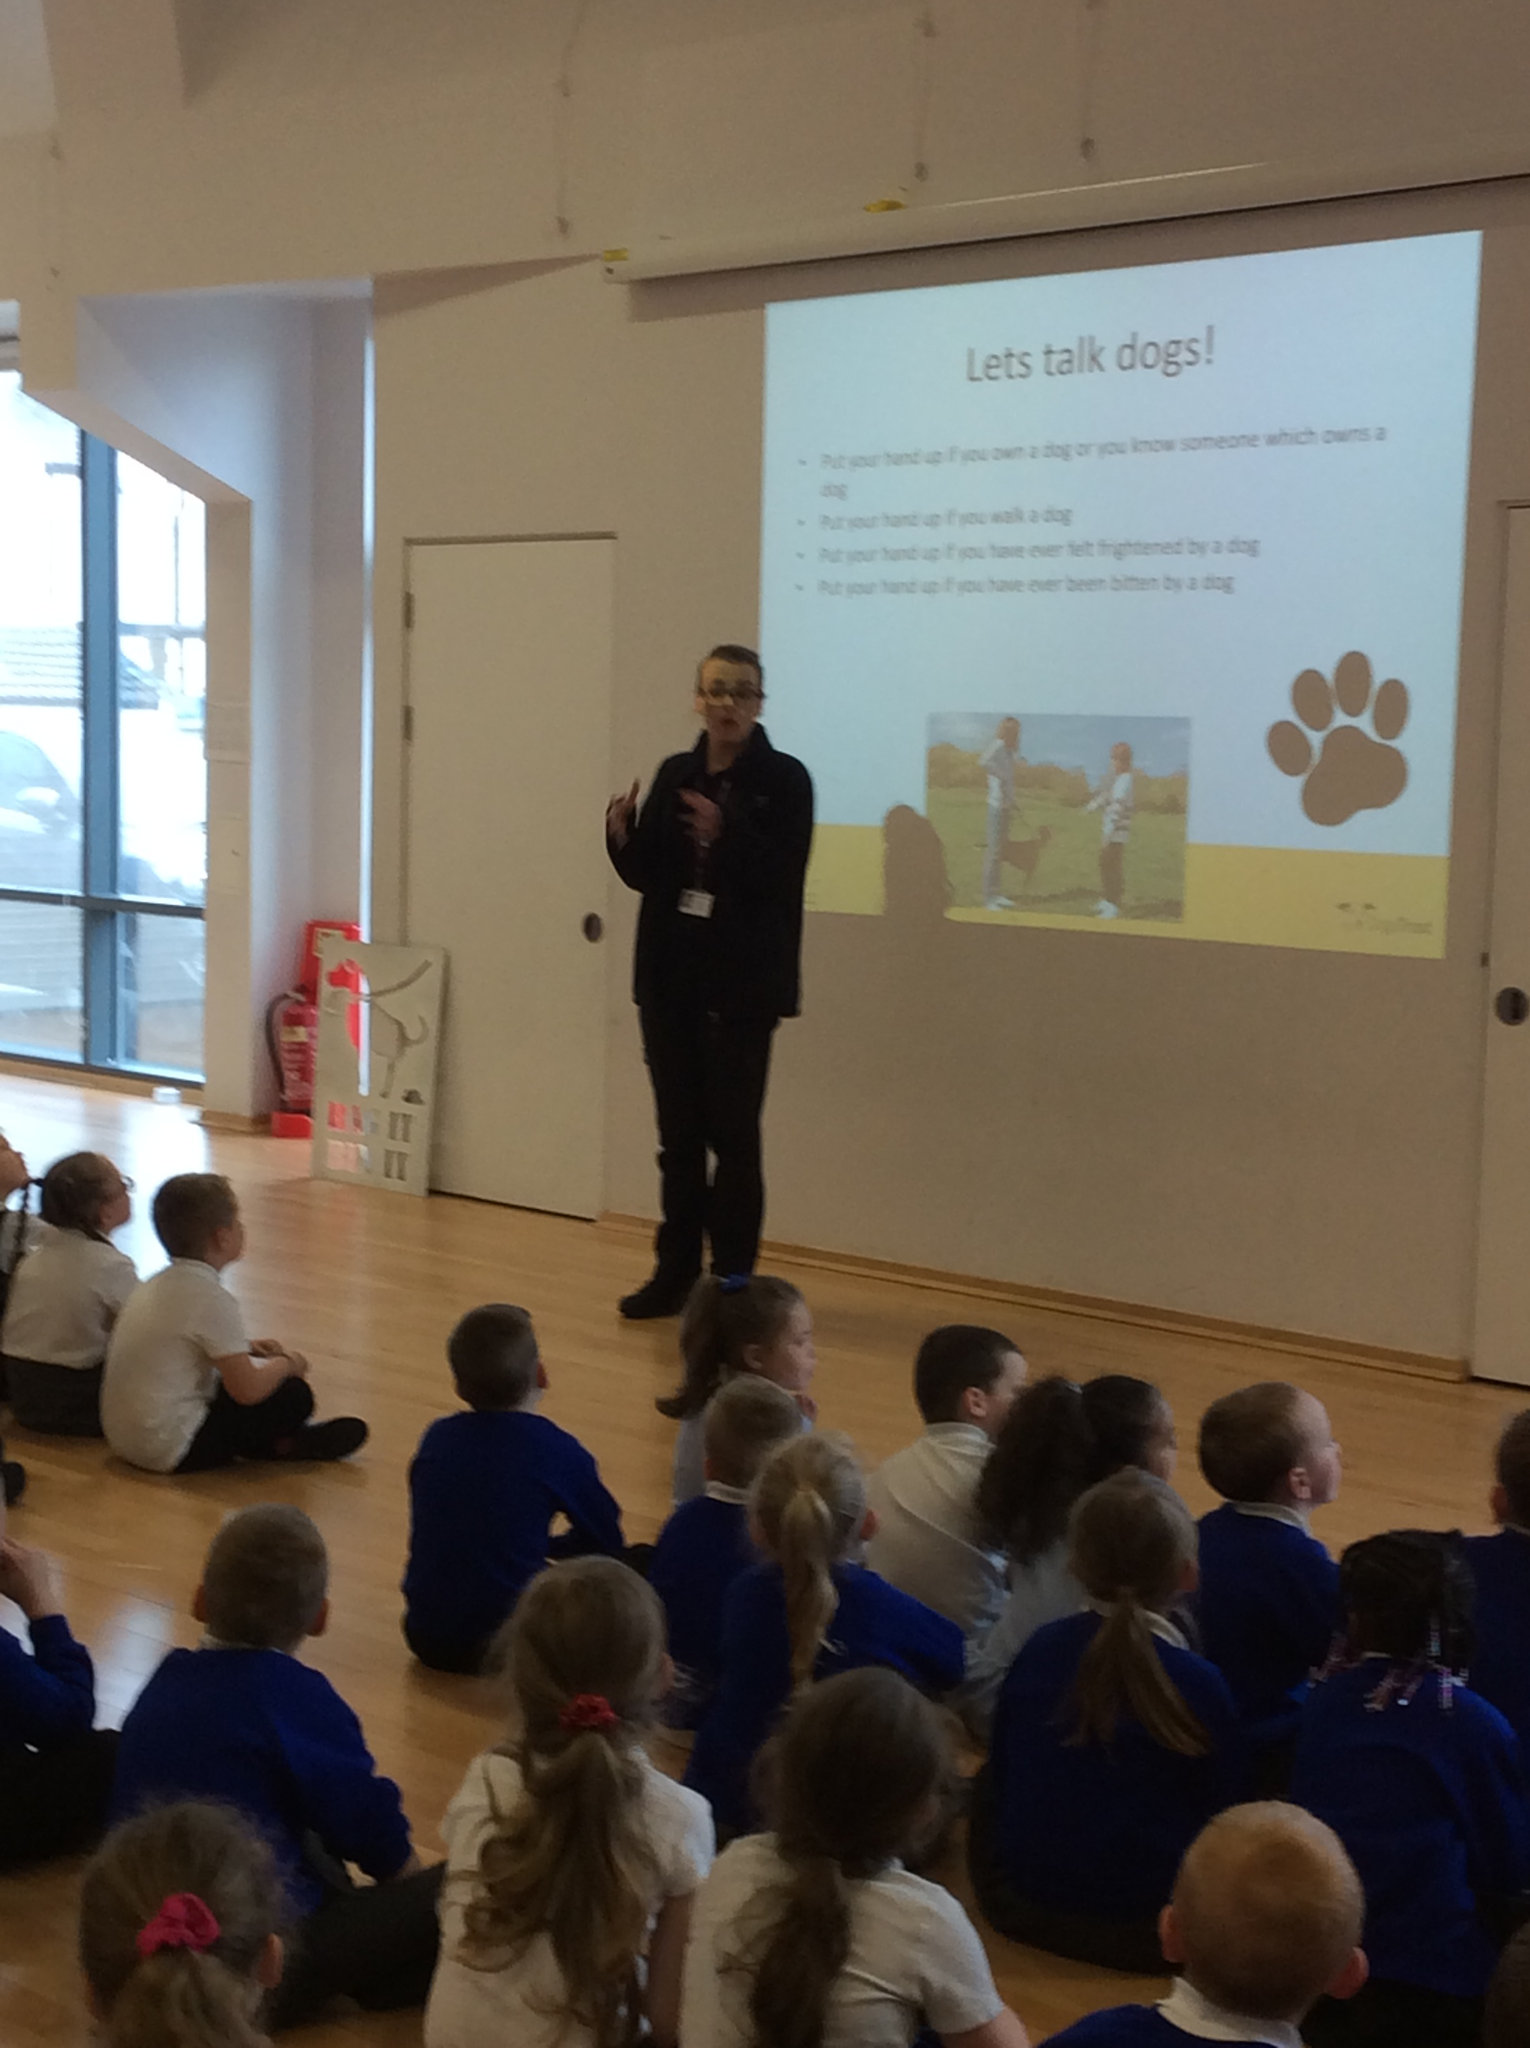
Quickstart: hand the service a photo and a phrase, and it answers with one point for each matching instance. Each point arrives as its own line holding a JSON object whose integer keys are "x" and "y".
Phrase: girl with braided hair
{"x": 571, "y": 1860}
{"x": 814, "y": 1935}
{"x": 1113, "y": 1743}
{"x": 811, "y": 1609}
{"x": 1424, "y": 1784}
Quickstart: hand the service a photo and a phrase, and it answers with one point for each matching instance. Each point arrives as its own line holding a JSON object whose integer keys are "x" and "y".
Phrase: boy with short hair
{"x": 484, "y": 1488}
{"x": 55, "y": 1768}
{"x": 239, "y": 1719}
{"x": 1500, "y": 1565}
{"x": 706, "y": 1543}
{"x": 1268, "y": 1601}
{"x": 927, "y": 1541}
{"x": 1265, "y": 1918}
{"x": 184, "y": 1389}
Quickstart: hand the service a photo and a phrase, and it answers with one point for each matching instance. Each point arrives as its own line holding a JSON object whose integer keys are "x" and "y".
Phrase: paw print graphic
{"x": 1344, "y": 767}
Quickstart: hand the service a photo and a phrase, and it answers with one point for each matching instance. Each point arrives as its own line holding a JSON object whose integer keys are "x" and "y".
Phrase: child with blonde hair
{"x": 572, "y": 1860}
{"x": 181, "y": 1924}
{"x": 747, "y": 1322}
{"x": 1264, "y": 1921}
{"x": 814, "y": 1935}
{"x": 1113, "y": 1743}
{"x": 66, "y": 1295}
{"x": 809, "y": 1610}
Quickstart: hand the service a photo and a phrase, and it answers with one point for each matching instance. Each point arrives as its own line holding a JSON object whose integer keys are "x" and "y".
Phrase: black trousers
{"x": 54, "y": 1801}
{"x": 55, "y": 1400}
{"x": 709, "y": 1074}
{"x": 1388, "y": 2015}
{"x": 375, "y": 1943}
{"x": 234, "y": 1431}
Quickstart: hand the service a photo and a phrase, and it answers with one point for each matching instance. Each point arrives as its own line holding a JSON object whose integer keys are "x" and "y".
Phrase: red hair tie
{"x": 183, "y": 1921}
{"x": 588, "y": 1710}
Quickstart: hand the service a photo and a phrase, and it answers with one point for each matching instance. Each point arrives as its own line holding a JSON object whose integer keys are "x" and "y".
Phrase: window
{"x": 103, "y": 783}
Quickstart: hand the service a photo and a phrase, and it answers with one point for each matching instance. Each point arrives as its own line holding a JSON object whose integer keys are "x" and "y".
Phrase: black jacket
{"x": 742, "y": 961}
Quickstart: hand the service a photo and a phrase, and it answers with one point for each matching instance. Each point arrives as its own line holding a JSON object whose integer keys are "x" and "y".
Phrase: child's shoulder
{"x": 1242, "y": 1529}
{"x": 1127, "y": 2025}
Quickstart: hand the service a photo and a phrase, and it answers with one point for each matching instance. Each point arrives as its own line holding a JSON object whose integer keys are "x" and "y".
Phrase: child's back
{"x": 1500, "y": 1567}
{"x": 159, "y": 1381}
{"x": 1267, "y": 1605}
{"x": 484, "y": 1490}
{"x": 807, "y": 1613}
{"x": 705, "y": 1545}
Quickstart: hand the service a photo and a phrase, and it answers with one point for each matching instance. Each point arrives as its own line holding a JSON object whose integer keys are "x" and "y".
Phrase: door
{"x": 507, "y": 728}
{"x": 1501, "y": 1339}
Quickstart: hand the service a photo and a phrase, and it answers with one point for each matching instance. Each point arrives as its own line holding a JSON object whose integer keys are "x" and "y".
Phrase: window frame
{"x": 103, "y": 904}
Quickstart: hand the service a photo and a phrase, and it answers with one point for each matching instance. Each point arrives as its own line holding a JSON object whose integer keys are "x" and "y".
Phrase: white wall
{"x": 1278, "y": 1137}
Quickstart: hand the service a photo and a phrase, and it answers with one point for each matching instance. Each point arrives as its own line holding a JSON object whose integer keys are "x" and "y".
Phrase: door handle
{"x": 1511, "y": 1006}
{"x": 595, "y": 930}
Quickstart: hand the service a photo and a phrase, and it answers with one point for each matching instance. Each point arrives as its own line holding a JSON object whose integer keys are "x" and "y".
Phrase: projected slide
{"x": 1130, "y": 601}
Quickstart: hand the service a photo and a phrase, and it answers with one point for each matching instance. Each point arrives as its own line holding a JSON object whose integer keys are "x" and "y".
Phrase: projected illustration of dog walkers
{"x": 1350, "y": 766}
{"x": 1052, "y": 814}
{"x": 1128, "y": 602}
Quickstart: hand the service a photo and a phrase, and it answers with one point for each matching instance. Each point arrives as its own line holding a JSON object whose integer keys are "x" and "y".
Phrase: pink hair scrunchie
{"x": 183, "y": 1921}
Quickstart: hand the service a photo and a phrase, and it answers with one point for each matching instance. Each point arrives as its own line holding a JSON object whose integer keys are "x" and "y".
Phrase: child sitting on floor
{"x": 928, "y": 1541}
{"x": 1264, "y": 1920}
{"x": 55, "y": 1769}
{"x": 705, "y": 1544}
{"x": 1500, "y": 1566}
{"x": 812, "y": 1609}
{"x": 181, "y": 1925}
{"x": 65, "y": 1297}
{"x": 1057, "y": 1441}
{"x": 1113, "y": 1743}
{"x": 815, "y": 1933}
{"x": 18, "y": 1232}
{"x": 185, "y": 1390}
{"x": 1268, "y": 1601}
{"x": 1424, "y": 1784}
{"x": 484, "y": 1489}
{"x": 750, "y": 1322}
{"x": 240, "y": 1719}
{"x": 572, "y": 1860}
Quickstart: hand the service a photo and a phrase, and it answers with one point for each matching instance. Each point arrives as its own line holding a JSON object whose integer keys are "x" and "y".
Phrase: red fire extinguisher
{"x": 292, "y": 1034}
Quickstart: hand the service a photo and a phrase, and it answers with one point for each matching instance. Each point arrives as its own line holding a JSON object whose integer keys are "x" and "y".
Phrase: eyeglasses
{"x": 729, "y": 693}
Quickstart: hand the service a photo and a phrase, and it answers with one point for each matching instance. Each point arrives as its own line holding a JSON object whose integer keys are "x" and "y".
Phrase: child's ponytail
{"x": 724, "y": 1318}
{"x": 1130, "y": 1539}
{"x": 809, "y": 1502}
{"x": 571, "y": 1860}
{"x": 177, "y": 1911}
{"x": 851, "y": 1783}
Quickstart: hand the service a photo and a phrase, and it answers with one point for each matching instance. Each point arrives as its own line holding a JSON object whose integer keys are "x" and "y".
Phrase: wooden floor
{"x": 369, "y": 1284}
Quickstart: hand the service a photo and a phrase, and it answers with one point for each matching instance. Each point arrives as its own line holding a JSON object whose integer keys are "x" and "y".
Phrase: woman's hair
{"x": 723, "y": 1319}
{"x": 853, "y": 1781}
{"x": 1058, "y": 1440}
{"x": 203, "y": 1996}
{"x": 808, "y": 1503}
{"x": 1129, "y": 1541}
{"x": 76, "y": 1189}
{"x": 584, "y": 1653}
{"x": 1409, "y": 1595}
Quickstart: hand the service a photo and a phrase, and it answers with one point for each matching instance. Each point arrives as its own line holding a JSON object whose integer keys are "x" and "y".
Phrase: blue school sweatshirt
{"x": 1125, "y": 2026}
{"x": 264, "y": 1733}
{"x": 50, "y": 1696}
{"x": 701, "y": 1550}
{"x": 1267, "y": 1608}
{"x": 873, "y": 1624}
{"x": 1096, "y": 1830}
{"x": 1431, "y": 1802}
{"x": 1500, "y": 1671}
{"x": 484, "y": 1488}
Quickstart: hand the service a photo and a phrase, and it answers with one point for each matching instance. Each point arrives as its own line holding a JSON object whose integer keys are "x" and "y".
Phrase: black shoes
{"x": 665, "y": 1294}
{"x": 15, "y": 1480}
{"x": 337, "y": 1438}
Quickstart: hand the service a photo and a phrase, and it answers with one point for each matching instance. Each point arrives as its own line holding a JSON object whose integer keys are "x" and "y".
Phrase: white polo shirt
{"x": 65, "y": 1296}
{"x": 159, "y": 1381}
{"x": 927, "y": 1541}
